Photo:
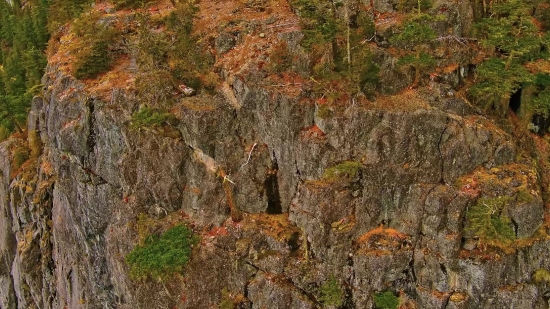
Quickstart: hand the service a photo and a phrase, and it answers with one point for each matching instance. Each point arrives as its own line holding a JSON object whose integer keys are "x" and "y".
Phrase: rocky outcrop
{"x": 375, "y": 197}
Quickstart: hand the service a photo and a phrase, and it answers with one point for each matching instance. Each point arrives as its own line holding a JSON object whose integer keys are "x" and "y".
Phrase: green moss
{"x": 330, "y": 293}
{"x": 345, "y": 169}
{"x": 226, "y": 301}
{"x": 324, "y": 111}
{"x": 148, "y": 117}
{"x": 488, "y": 220}
{"x": 161, "y": 256}
{"x": 542, "y": 276}
{"x": 386, "y": 300}
{"x": 523, "y": 196}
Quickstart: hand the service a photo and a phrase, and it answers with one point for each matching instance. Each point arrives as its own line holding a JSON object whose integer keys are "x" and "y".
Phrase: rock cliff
{"x": 293, "y": 205}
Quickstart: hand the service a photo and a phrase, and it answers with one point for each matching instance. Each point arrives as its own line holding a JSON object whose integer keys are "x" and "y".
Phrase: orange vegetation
{"x": 406, "y": 100}
{"x": 276, "y": 226}
{"x": 381, "y": 241}
{"x": 312, "y": 133}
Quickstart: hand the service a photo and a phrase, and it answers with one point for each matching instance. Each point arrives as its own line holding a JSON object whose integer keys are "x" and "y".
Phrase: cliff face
{"x": 373, "y": 196}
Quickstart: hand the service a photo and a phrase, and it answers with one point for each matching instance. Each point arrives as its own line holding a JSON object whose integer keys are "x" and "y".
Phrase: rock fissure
{"x": 440, "y": 140}
{"x": 271, "y": 185}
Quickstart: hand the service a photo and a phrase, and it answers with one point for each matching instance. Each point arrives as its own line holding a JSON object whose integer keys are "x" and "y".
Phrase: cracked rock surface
{"x": 283, "y": 201}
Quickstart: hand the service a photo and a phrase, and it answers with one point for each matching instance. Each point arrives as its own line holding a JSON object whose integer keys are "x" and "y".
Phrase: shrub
{"x": 92, "y": 54}
{"x": 92, "y": 61}
{"x": 540, "y": 103}
{"x": 410, "y": 5}
{"x": 488, "y": 221}
{"x": 417, "y": 34}
{"x": 131, "y": 3}
{"x": 386, "y": 300}
{"x": 148, "y": 117}
{"x": 330, "y": 293}
{"x": 4, "y": 133}
{"x": 319, "y": 22}
{"x": 499, "y": 78}
{"x": 20, "y": 155}
{"x": 161, "y": 256}
{"x": 188, "y": 63}
{"x": 172, "y": 57}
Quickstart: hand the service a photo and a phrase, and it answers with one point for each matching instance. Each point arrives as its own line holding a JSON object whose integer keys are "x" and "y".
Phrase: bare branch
{"x": 450, "y": 38}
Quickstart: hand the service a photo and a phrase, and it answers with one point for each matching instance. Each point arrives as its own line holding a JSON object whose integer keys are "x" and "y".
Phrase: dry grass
{"x": 381, "y": 241}
{"x": 406, "y": 100}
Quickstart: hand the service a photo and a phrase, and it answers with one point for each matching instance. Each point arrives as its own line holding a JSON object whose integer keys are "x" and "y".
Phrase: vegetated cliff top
{"x": 254, "y": 34}
{"x": 339, "y": 52}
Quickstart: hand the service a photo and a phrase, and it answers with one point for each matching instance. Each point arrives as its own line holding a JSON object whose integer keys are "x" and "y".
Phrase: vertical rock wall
{"x": 393, "y": 219}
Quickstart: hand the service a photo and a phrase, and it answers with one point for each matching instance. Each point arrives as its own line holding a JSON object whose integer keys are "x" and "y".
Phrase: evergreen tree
{"x": 416, "y": 35}
{"x": 23, "y": 38}
{"x": 512, "y": 39}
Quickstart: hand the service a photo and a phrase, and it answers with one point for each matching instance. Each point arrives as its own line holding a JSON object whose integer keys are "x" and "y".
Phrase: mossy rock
{"x": 346, "y": 169}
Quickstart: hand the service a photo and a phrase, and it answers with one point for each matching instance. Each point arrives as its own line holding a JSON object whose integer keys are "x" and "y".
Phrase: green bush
{"x": 330, "y": 293}
{"x": 172, "y": 57}
{"x": 161, "y": 256}
{"x": 20, "y": 155}
{"x": 487, "y": 219}
{"x": 148, "y": 117}
{"x": 540, "y": 103}
{"x": 318, "y": 20}
{"x": 386, "y": 300}
{"x": 92, "y": 54}
{"x": 4, "y": 133}
{"x": 498, "y": 78}
{"x": 92, "y": 61}
{"x": 413, "y": 5}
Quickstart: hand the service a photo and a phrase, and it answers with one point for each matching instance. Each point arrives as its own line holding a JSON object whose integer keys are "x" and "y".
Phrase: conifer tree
{"x": 512, "y": 39}
{"x": 23, "y": 38}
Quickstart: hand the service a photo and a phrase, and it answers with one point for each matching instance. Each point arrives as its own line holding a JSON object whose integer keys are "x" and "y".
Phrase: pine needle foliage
{"x": 498, "y": 80}
{"x": 23, "y": 38}
{"x": 93, "y": 54}
{"x": 487, "y": 220}
{"x": 513, "y": 38}
{"x": 319, "y": 22}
